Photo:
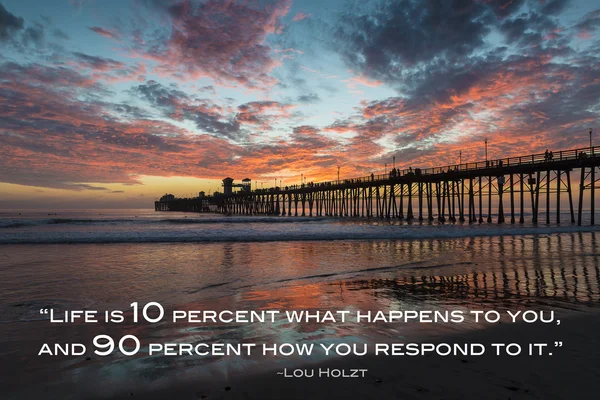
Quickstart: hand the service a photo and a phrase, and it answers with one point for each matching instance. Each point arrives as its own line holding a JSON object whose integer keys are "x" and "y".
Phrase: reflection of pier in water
{"x": 473, "y": 192}
{"x": 555, "y": 269}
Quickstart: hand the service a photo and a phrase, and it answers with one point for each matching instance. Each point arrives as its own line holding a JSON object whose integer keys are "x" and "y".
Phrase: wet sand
{"x": 571, "y": 372}
{"x": 547, "y": 272}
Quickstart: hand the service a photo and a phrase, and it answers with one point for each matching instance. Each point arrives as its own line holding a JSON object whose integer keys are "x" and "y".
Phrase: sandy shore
{"x": 573, "y": 371}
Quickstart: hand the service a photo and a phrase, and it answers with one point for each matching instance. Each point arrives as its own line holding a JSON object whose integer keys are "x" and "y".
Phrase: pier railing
{"x": 527, "y": 160}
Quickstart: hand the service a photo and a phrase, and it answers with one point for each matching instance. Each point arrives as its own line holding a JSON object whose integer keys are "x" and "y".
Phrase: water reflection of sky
{"x": 552, "y": 272}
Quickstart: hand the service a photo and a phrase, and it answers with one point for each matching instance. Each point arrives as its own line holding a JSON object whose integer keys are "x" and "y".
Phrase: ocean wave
{"x": 20, "y": 223}
{"x": 320, "y": 233}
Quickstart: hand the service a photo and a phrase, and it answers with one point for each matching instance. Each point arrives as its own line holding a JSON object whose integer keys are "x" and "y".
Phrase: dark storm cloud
{"x": 383, "y": 41}
{"x": 403, "y": 42}
{"x": 9, "y": 23}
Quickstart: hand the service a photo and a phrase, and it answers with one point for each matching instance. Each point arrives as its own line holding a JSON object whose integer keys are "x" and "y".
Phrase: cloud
{"x": 62, "y": 78}
{"x": 9, "y": 23}
{"x": 504, "y": 100}
{"x": 98, "y": 63}
{"x": 85, "y": 186}
{"x": 536, "y": 31}
{"x": 588, "y": 24}
{"x": 554, "y": 7}
{"x": 309, "y": 137}
{"x": 402, "y": 42}
{"x": 13, "y": 30}
{"x": 59, "y": 33}
{"x": 223, "y": 40}
{"x": 105, "y": 32}
{"x": 52, "y": 137}
{"x": 34, "y": 34}
{"x": 300, "y": 16}
{"x": 263, "y": 113}
{"x": 207, "y": 116}
{"x": 382, "y": 41}
{"x": 108, "y": 69}
{"x": 309, "y": 98}
{"x": 506, "y": 70}
{"x": 56, "y": 133}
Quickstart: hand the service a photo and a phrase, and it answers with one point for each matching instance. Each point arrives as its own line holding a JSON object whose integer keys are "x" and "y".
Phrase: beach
{"x": 571, "y": 373}
{"x": 105, "y": 261}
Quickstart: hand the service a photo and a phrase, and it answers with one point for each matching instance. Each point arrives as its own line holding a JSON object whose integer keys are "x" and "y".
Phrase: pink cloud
{"x": 300, "y": 16}
{"x": 584, "y": 34}
{"x": 223, "y": 40}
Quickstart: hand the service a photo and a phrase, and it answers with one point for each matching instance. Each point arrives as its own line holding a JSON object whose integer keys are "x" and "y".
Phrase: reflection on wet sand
{"x": 558, "y": 272}
{"x": 553, "y": 270}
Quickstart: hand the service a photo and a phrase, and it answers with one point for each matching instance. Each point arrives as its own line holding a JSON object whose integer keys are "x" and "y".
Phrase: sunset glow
{"x": 113, "y": 103}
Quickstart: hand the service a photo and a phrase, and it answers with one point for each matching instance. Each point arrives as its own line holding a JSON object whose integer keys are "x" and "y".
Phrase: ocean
{"x": 107, "y": 259}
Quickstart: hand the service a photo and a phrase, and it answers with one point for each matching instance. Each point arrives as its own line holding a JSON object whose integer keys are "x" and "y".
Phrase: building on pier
{"x": 167, "y": 197}
{"x": 228, "y": 185}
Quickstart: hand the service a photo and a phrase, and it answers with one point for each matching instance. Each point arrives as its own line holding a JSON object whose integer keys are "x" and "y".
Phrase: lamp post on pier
{"x": 460, "y": 157}
{"x": 338, "y": 175}
{"x": 394, "y": 161}
{"x": 486, "y": 156}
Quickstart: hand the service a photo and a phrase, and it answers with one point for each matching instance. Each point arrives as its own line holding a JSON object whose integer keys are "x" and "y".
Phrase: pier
{"x": 492, "y": 191}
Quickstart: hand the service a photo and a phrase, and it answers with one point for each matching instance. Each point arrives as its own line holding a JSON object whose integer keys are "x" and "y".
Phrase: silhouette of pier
{"x": 491, "y": 191}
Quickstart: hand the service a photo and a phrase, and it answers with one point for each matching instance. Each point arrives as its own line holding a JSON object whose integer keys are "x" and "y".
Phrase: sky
{"x": 111, "y": 104}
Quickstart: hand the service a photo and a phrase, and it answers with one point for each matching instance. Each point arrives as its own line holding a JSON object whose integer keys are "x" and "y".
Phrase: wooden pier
{"x": 501, "y": 190}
